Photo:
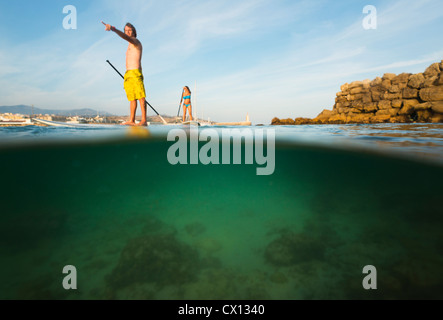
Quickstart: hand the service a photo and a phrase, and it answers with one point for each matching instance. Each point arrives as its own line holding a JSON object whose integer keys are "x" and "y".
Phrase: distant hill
{"x": 22, "y": 109}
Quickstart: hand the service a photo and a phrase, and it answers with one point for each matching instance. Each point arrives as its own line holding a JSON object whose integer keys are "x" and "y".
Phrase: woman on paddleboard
{"x": 186, "y": 99}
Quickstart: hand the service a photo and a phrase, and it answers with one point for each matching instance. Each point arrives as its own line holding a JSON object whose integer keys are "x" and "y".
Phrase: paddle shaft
{"x": 181, "y": 99}
{"x": 146, "y": 102}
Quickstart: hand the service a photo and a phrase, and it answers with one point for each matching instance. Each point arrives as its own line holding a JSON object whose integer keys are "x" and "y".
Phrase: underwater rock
{"x": 152, "y": 224}
{"x": 195, "y": 229}
{"x": 292, "y": 248}
{"x": 278, "y": 277}
{"x": 25, "y": 230}
{"x": 226, "y": 283}
{"x": 158, "y": 259}
{"x": 208, "y": 245}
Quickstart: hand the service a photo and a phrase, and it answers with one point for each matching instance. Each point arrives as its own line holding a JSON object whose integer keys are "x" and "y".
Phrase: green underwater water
{"x": 136, "y": 227}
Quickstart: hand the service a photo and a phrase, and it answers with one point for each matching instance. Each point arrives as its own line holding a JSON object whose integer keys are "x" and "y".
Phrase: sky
{"x": 264, "y": 58}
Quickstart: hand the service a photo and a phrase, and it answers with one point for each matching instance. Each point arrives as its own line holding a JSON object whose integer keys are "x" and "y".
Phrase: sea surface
{"x": 102, "y": 209}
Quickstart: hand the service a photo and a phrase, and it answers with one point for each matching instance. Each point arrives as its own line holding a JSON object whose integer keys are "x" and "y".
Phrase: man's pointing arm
{"x": 122, "y": 35}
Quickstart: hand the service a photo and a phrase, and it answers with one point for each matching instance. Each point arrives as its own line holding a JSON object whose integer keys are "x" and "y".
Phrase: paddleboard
{"x": 192, "y": 123}
{"x": 73, "y": 125}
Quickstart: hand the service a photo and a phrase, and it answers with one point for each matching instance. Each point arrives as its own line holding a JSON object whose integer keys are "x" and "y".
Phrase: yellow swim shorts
{"x": 133, "y": 85}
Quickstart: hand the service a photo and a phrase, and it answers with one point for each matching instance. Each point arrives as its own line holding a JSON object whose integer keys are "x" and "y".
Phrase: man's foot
{"x": 142, "y": 123}
{"x": 128, "y": 123}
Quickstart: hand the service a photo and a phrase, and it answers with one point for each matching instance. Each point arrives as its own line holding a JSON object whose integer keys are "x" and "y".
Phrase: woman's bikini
{"x": 184, "y": 98}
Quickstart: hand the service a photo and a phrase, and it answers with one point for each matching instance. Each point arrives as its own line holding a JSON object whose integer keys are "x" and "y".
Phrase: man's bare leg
{"x": 143, "y": 122}
{"x": 133, "y": 108}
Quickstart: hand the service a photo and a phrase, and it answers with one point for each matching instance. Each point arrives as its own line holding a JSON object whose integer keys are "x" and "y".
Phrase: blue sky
{"x": 283, "y": 58}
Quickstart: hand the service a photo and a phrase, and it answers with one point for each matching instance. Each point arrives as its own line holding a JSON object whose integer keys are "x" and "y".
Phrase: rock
{"x": 376, "y": 82}
{"x": 436, "y": 118}
{"x": 353, "y": 97}
{"x": 358, "y": 104}
{"x": 392, "y": 96}
{"x": 342, "y": 101}
{"x": 367, "y": 98}
{"x": 423, "y": 106}
{"x": 282, "y": 122}
{"x": 359, "y": 118}
{"x": 290, "y": 249}
{"x": 380, "y": 118}
{"x": 357, "y": 90}
{"x": 400, "y": 119}
{"x": 275, "y": 121}
{"x": 299, "y": 121}
{"x": 397, "y": 103}
{"x": 390, "y": 111}
{"x": 278, "y": 277}
{"x": 394, "y": 89}
{"x": 338, "y": 118}
{"x": 384, "y": 104}
{"x": 432, "y": 94}
{"x": 366, "y": 85}
{"x": 355, "y": 84}
{"x": 207, "y": 245}
{"x": 385, "y": 84}
{"x": 287, "y": 121}
{"x": 409, "y": 93}
{"x": 437, "y": 106}
{"x": 157, "y": 259}
{"x": 432, "y": 71}
{"x": 430, "y": 82}
{"x": 376, "y": 95}
{"x": 416, "y": 80}
{"x": 410, "y": 103}
{"x": 389, "y": 76}
{"x": 406, "y": 110}
{"x": 393, "y": 111}
{"x": 325, "y": 113}
{"x": 195, "y": 229}
{"x": 402, "y": 85}
{"x": 371, "y": 107}
{"x": 424, "y": 115}
{"x": 401, "y": 78}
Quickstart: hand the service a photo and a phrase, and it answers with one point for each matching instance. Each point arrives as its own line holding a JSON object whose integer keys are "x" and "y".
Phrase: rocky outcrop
{"x": 392, "y": 98}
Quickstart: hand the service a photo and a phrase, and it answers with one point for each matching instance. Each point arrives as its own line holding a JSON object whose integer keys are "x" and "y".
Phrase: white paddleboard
{"x": 73, "y": 125}
{"x": 192, "y": 123}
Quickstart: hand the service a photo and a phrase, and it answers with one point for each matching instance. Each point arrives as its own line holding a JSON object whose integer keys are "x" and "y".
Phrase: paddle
{"x": 180, "y": 104}
{"x": 146, "y": 102}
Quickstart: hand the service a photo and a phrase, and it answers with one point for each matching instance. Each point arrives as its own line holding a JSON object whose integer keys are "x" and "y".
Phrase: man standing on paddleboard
{"x": 133, "y": 84}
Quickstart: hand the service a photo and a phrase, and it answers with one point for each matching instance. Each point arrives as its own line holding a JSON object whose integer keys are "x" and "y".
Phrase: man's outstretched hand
{"x": 107, "y": 26}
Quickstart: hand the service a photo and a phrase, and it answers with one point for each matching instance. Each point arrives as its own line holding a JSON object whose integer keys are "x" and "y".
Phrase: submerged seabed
{"x": 137, "y": 227}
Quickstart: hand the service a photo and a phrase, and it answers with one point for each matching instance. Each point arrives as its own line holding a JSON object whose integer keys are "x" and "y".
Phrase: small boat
{"x": 15, "y": 122}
